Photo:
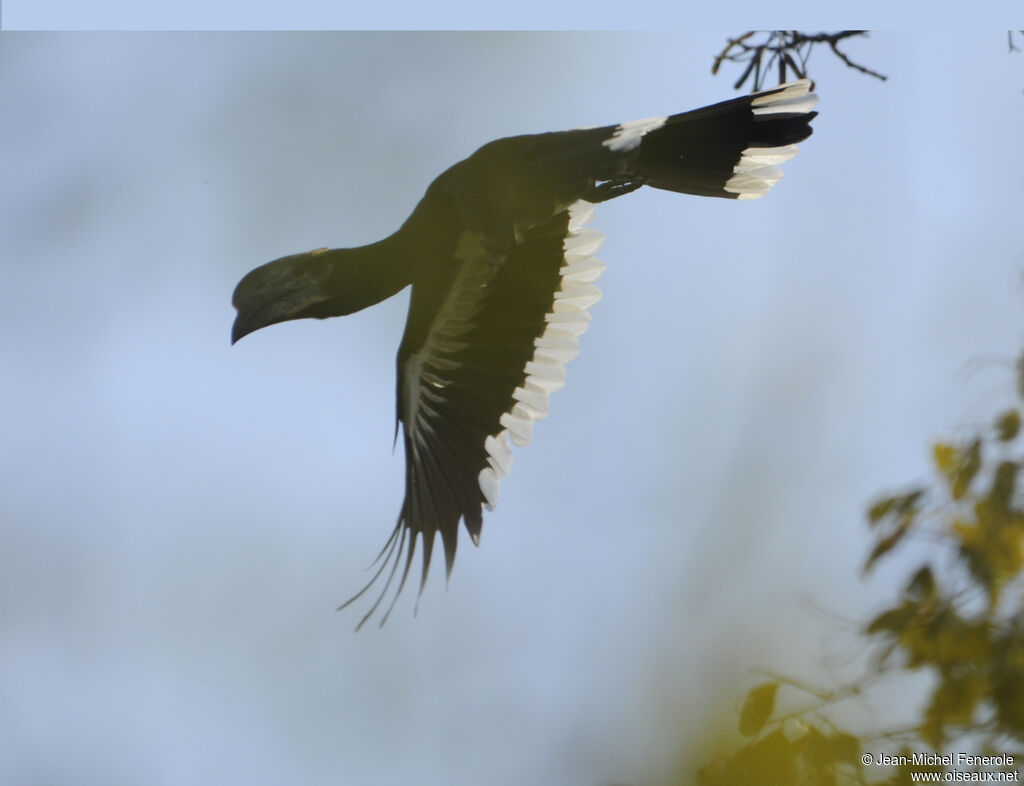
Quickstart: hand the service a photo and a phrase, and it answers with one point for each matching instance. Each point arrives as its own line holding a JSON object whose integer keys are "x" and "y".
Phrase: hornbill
{"x": 502, "y": 274}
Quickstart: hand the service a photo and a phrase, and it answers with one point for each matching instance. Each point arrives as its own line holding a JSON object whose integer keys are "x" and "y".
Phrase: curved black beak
{"x": 287, "y": 288}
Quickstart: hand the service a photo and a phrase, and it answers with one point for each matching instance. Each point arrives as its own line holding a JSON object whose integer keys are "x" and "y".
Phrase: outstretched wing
{"x": 503, "y": 277}
{"x": 500, "y": 330}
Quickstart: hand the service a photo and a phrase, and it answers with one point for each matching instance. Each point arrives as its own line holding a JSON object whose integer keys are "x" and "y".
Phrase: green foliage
{"x": 935, "y": 627}
{"x": 811, "y": 757}
{"x": 957, "y": 618}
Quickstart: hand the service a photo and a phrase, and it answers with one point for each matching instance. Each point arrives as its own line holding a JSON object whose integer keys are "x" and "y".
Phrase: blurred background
{"x": 180, "y": 517}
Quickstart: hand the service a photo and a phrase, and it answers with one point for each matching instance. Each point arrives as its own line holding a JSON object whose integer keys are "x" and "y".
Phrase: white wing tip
{"x": 544, "y": 373}
{"x": 489, "y": 485}
{"x": 789, "y": 98}
{"x": 627, "y": 136}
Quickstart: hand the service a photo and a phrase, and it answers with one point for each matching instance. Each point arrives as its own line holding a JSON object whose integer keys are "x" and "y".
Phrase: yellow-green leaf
{"x": 878, "y": 511}
{"x": 887, "y": 543}
{"x": 758, "y": 708}
{"x": 922, "y": 585}
{"x": 968, "y": 469}
{"x": 1004, "y": 484}
{"x": 947, "y": 458}
{"x": 958, "y": 466}
{"x": 893, "y": 620}
{"x": 1008, "y": 425}
{"x": 897, "y": 504}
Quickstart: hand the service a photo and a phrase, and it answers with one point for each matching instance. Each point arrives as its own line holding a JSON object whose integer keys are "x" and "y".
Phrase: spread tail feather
{"x": 732, "y": 149}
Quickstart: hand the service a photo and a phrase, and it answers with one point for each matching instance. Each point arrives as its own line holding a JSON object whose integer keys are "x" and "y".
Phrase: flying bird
{"x": 502, "y": 270}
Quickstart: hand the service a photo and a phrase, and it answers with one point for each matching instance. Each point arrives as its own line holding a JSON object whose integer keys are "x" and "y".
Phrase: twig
{"x": 788, "y": 50}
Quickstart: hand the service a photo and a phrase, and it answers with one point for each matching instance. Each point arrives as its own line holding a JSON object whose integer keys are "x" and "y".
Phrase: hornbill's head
{"x": 292, "y": 287}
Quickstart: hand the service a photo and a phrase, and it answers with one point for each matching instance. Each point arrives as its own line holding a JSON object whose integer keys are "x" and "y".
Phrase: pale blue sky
{"x": 471, "y": 15}
{"x": 180, "y": 516}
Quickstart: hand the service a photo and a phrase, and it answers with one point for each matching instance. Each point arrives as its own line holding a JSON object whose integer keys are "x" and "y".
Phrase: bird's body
{"x": 502, "y": 270}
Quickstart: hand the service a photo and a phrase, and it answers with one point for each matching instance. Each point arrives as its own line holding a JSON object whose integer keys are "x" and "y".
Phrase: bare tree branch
{"x": 786, "y": 50}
